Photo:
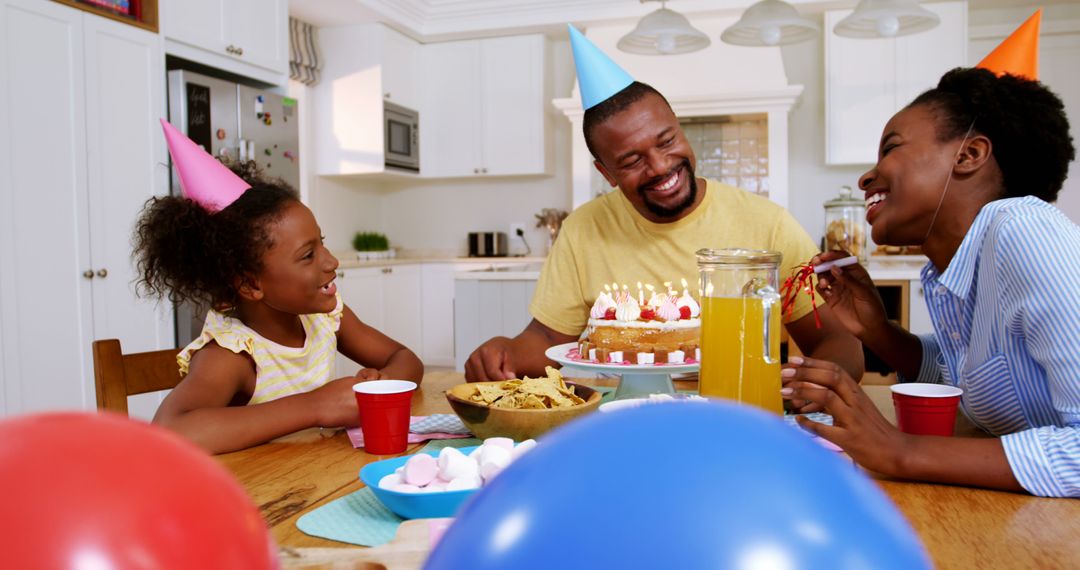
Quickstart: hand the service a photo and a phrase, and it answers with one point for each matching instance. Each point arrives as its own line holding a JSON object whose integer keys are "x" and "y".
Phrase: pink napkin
{"x": 356, "y": 436}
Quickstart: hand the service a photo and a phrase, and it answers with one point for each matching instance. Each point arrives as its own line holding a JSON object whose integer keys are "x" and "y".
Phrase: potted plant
{"x": 371, "y": 245}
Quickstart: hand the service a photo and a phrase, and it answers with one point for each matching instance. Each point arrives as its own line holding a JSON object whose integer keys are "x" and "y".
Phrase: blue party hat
{"x": 598, "y": 77}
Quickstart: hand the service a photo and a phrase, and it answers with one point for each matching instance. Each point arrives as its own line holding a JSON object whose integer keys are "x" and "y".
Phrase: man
{"x": 649, "y": 229}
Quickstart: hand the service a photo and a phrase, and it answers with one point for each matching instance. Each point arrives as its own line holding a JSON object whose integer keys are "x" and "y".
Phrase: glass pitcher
{"x": 740, "y": 326}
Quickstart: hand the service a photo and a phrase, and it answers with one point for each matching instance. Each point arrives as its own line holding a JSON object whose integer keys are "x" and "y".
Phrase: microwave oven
{"x": 401, "y": 126}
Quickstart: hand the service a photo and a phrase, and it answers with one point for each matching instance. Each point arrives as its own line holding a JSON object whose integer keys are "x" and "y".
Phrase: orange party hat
{"x": 202, "y": 177}
{"x": 1018, "y": 54}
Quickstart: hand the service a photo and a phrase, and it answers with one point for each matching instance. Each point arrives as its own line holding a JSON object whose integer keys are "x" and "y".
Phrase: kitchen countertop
{"x": 881, "y": 267}
{"x": 349, "y": 261}
{"x": 525, "y": 272}
{"x": 896, "y": 267}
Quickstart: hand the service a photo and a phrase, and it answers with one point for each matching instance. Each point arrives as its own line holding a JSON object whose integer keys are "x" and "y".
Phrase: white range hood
{"x": 721, "y": 79}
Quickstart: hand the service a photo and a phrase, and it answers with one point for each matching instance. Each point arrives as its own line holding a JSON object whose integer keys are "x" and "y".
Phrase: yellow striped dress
{"x": 279, "y": 370}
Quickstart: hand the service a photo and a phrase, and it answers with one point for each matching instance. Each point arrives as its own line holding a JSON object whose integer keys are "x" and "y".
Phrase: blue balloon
{"x": 679, "y": 485}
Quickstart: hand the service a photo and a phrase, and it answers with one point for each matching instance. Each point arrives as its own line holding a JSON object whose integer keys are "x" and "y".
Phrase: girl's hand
{"x": 368, "y": 374}
{"x": 851, "y": 295}
{"x": 334, "y": 403}
{"x": 858, "y": 427}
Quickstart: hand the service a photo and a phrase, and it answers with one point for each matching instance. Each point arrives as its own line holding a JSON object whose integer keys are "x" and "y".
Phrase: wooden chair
{"x": 118, "y": 375}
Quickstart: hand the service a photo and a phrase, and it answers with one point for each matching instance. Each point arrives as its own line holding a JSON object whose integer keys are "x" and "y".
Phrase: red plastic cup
{"x": 926, "y": 409}
{"x": 385, "y": 406}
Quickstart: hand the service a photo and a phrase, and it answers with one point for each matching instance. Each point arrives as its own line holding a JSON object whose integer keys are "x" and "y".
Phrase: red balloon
{"x": 86, "y": 490}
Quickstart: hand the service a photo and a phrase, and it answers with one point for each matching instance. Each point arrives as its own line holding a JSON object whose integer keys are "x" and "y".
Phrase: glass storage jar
{"x": 845, "y": 224}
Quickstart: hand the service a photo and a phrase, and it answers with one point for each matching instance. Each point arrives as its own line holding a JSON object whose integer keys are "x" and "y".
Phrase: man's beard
{"x": 677, "y": 209}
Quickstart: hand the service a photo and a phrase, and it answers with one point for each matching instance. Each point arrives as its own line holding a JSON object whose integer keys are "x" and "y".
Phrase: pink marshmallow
{"x": 421, "y": 469}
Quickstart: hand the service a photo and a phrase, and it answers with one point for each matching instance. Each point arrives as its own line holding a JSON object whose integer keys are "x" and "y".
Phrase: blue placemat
{"x": 359, "y": 518}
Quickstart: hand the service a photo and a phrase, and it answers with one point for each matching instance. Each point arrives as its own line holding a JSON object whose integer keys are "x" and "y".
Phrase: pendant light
{"x": 663, "y": 32}
{"x": 886, "y": 19}
{"x": 770, "y": 23}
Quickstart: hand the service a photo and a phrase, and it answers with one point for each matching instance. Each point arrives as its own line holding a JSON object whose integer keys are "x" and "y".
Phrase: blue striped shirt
{"x": 1006, "y": 315}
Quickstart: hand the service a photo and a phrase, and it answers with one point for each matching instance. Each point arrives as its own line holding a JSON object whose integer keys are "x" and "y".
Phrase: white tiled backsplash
{"x": 733, "y": 149}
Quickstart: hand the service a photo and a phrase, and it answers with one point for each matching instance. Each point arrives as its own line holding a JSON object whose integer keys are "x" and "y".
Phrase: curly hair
{"x": 613, "y": 105}
{"x": 186, "y": 253}
{"x": 1025, "y": 122}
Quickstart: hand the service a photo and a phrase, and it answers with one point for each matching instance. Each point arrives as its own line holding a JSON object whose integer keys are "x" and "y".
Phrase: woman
{"x": 966, "y": 171}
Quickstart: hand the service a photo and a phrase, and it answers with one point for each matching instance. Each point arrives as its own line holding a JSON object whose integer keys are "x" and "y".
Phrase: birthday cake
{"x": 666, "y": 329}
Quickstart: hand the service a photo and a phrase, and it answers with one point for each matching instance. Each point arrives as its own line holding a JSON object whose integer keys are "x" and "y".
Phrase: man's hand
{"x": 492, "y": 361}
{"x": 504, "y": 358}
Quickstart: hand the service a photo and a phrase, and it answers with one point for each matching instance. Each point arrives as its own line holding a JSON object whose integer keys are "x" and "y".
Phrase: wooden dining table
{"x": 961, "y": 527}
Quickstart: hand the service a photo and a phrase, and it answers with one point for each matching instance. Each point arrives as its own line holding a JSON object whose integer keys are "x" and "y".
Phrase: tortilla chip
{"x": 528, "y": 393}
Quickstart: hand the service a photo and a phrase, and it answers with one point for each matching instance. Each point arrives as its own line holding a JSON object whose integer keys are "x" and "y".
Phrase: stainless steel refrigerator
{"x": 237, "y": 121}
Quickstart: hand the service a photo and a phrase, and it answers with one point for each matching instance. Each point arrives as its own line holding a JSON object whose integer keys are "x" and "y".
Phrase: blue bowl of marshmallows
{"x": 434, "y": 484}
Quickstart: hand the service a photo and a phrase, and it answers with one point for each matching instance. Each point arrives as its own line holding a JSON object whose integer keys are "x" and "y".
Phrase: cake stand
{"x": 637, "y": 380}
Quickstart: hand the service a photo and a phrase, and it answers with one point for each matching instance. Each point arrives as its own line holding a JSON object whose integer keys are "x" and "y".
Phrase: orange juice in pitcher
{"x": 740, "y": 326}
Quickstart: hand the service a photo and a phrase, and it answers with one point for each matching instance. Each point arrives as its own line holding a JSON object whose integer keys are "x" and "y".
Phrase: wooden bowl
{"x": 484, "y": 421}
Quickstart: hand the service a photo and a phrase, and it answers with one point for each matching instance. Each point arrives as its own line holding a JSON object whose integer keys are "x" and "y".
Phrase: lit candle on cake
{"x": 685, "y": 290}
{"x": 640, "y": 294}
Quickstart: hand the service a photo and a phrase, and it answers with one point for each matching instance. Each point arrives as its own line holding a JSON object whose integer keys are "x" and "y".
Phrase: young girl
{"x": 967, "y": 171}
{"x": 263, "y": 365}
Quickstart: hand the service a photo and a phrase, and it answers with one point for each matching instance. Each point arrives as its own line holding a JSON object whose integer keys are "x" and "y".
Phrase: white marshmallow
{"x": 494, "y": 454}
{"x": 592, "y": 354}
{"x": 454, "y": 464}
{"x": 406, "y": 488}
{"x": 493, "y": 460}
{"x": 697, "y": 354}
{"x": 646, "y": 358}
{"x": 503, "y": 442}
{"x": 676, "y": 357}
{"x": 523, "y": 447}
{"x": 615, "y": 357}
{"x": 433, "y": 488}
{"x": 475, "y": 454}
{"x": 390, "y": 481}
{"x": 463, "y": 483}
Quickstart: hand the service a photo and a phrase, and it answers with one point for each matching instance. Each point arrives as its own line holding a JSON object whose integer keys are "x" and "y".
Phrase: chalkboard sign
{"x": 198, "y": 115}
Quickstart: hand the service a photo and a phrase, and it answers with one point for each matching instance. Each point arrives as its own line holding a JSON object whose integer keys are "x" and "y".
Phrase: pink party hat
{"x": 202, "y": 178}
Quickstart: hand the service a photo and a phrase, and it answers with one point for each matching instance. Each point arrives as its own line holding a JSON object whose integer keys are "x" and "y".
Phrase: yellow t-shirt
{"x": 608, "y": 241}
{"x": 279, "y": 370}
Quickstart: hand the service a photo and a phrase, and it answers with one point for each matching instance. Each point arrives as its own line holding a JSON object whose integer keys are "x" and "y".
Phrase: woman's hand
{"x": 368, "y": 374}
{"x": 858, "y": 427}
{"x": 851, "y": 295}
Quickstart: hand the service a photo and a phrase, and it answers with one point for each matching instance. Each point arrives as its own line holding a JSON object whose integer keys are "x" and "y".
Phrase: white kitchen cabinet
{"x": 400, "y": 69}
{"x": 486, "y": 308}
{"x": 868, "y": 80}
{"x": 387, "y": 298}
{"x": 362, "y": 67}
{"x": 483, "y": 107}
{"x": 918, "y": 315}
{"x": 80, "y": 152}
{"x": 248, "y": 37}
{"x": 438, "y": 310}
